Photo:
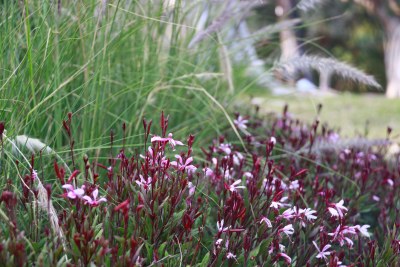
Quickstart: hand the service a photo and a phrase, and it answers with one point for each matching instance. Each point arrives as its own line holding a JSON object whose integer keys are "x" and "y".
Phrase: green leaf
{"x": 149, "y": 250}
{"x": 205, "y": 260}
{"x": 163, "y": 203}
{"x": 120, "y": 239}
{"x": 178, "y": 215}
{"x": 263, "y": 250}
{"x": 255, "y": 252}
{"x": 161, "y": 249}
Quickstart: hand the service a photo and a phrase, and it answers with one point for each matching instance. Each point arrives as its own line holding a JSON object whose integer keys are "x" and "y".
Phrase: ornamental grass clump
{"x": 284, "y": 199}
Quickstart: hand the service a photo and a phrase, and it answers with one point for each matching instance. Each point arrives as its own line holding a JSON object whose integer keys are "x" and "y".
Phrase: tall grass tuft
{"x": 329, "y": 65}
{"x": 108, "y": 63}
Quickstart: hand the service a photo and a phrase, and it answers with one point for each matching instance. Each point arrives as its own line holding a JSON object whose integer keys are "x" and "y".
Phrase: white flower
{"x": 294, "y": 185}
{"x": 227, "y": 175}
{"x": 235, "y": 186}
{"x": 278, "y": 204}
{"x": 333, "y": 212}
{"x": 191, "y": 188}
{"x": 363, "y": 230}
{"x": 322, "y": 253}
{"x": 266, "y": 221}
{"x": 288, "y": 260}
{"x": 308, "y": 213}
{"x": 237, "y": 158}
{"x": 349, "y": 242}
{"x": 230, "y": 256}
{"x": 241, "y": 123}
{"x": 338, "y": 209}
{"x": 273, "y": 140}
{"x": 288, "y": 229}
{"x": 248, "y": 175}
{"x": 221, "y": 228}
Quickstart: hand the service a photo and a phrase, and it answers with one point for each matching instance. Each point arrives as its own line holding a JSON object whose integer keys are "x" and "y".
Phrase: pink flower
{"x": 153, "y": 158}
{"x": 225, "y": 148}
{"x": 289, "y": 213}
{"x": 266, "y": 221}
{"x": 340, "y": 234}
{"x": 145, "y": 184}
{"x": 322, "y": 253}
{"x": 94, "y": 202}
{"x": 376, "y": 198}
{"x": 294, "y": 185}
{"x": 235, "y": 186}
{"x": 209, "y": 172}
{"x": 192, "y": 188}
{"x": 34, "y": 174}
{"x": 187, "y": 166}
{"x": 74, "y": 193}
{"x": 172, "y": 142}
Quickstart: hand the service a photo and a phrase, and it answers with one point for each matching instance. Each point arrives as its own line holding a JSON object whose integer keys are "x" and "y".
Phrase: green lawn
{"x": 348, "y": 112}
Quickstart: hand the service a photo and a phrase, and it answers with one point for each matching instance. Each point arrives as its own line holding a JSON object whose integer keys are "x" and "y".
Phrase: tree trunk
{"x": 325, "y": 80}
{"x": 288, "y": 39}
{"x": 392, "y": 58}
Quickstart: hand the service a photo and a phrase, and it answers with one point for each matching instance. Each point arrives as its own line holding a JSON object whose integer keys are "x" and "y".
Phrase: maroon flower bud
{"x": 187, "y": 222}
{"x": 123, "y": 205}
{"x": 8, "y": 198}
{"x": 48, "y": 190}
{"x": 1, "y": 128}
{"x": 73, "y": 175}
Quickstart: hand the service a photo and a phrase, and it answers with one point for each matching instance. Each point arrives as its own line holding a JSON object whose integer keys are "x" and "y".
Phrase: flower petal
{"x": 88, "y": 199}
{"x": 71, "y": 195}
{"x": 69, "y": 187}
{"x": 95, "y": 193}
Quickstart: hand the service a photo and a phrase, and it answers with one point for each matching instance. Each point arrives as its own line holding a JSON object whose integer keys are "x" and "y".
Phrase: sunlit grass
{"x": 351, "y": 114}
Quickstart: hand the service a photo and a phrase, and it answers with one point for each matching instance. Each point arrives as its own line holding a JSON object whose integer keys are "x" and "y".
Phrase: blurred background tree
{"x": 364, "y": 33}
{"x": 387, "y": 13}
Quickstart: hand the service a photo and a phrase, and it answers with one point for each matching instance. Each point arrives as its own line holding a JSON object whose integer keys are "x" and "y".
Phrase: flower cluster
{"x": 287, "y": 197}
